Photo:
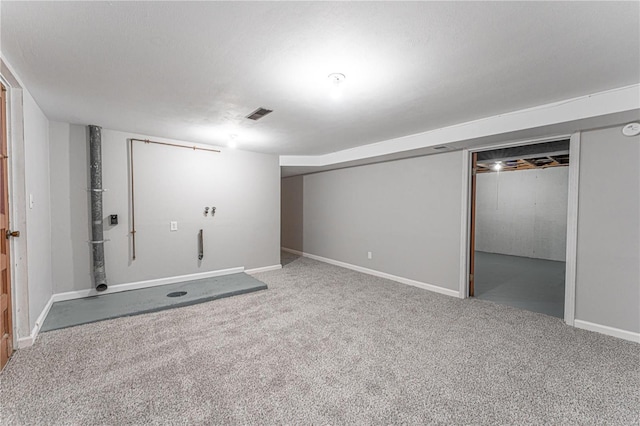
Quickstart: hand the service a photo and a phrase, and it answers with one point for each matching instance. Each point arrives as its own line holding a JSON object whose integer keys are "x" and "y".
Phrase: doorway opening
{"x": 518, "y": 240}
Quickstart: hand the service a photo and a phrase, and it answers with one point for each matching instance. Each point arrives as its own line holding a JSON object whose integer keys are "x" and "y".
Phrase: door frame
{"x": 572, "y": 215}
{"x": 22, "y": 333}
{"x": 7, "y": 331}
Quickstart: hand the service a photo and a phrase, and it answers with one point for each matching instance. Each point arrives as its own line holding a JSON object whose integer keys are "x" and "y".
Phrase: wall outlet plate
{"x": 173, "y": 225}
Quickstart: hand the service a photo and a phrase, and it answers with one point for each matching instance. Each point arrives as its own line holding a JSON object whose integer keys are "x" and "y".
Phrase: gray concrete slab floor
{"x": 532, "y": 284}
{"x": 70, "y": 313}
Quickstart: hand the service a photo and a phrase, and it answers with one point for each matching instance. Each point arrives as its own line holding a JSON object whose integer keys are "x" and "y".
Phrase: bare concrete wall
{"x": 523, "y": 213}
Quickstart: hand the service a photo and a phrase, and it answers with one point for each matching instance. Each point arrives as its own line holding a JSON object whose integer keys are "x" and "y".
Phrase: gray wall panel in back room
{"x": 406, "y": 212}
{"x": 172, "y": 184}
{"x": 608, "y": 255}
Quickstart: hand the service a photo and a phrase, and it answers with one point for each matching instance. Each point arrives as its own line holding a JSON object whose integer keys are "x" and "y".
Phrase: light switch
{"x": 30, "y": 201}
{"x": 174, "y": 226}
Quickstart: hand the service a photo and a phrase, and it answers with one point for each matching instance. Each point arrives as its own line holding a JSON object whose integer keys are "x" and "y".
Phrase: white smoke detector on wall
{"x": 631, "y": 129}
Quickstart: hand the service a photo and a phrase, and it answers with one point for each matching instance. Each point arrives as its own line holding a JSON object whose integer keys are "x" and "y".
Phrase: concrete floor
{"x": 134, "y": 302}
{"x": 532, "y": 284}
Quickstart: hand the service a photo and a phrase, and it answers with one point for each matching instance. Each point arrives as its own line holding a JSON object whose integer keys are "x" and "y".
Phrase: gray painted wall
{"x": 523, "y": 213}
{"x": 36, "y": 151}
{"x": 407, "y": 213}
{"x": 172, "y": 184}
{"x": 292, "y": 217}
{"x": 608, "y": 255}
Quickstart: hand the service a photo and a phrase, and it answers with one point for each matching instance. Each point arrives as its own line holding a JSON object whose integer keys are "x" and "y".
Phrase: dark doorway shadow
{"x": 286, "y": 257}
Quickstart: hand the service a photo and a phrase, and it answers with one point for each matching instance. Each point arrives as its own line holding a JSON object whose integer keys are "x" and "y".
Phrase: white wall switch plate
{"x": 174, "y": 226}
{"x": 369, "y": 255}
{"x": 30, "y": 201}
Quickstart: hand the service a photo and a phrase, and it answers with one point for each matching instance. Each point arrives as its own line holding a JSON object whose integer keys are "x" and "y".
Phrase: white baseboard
{"x": 292, "y": 251}
{"x": 79, "y": 294}
{"x": 610, "y": 331}
{"x": 25, "y": 342}
{"x": 263, "y": 269}
{"x": 425, "y": 286}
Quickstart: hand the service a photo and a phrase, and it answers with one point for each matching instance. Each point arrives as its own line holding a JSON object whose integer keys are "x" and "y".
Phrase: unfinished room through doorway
{"x": 519, "y": 226}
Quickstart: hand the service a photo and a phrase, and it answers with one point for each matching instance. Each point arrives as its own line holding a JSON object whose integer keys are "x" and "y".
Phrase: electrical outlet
{"x": 369, "y": 255}
{"x": 174, "y": 226}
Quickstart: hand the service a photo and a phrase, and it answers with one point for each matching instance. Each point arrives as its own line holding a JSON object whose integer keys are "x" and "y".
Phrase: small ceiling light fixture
{"x": 232, "y": 141}
{"x": 336, "y": 80}
{"x": 498, "y": 166}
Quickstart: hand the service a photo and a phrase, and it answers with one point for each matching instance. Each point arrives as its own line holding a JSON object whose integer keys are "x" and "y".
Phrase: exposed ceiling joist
{"x": 540, "y": 162}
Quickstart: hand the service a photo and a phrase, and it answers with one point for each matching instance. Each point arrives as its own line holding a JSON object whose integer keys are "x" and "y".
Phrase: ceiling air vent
{"x": 259, "y": 113}
{"x": 440, "y": 148}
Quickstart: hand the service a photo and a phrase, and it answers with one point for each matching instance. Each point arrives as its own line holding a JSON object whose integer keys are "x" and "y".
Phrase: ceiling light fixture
{"x": 336, "y": 80}
{"x": 498, "y": 166}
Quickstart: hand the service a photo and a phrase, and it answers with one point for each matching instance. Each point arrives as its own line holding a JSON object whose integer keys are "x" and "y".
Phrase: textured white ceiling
{"x": 192, "y": 71}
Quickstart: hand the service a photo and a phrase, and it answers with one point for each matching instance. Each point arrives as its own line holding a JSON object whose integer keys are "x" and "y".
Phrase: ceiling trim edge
{"x": 602, "y": 103}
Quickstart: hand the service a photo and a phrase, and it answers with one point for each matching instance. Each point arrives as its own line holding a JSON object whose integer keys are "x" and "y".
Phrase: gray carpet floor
{"x": 286, "y": 258}
{"x": 325, "y": 345}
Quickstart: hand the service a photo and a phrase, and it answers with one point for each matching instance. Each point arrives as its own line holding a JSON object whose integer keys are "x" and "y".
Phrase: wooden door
{"x": 6, "y": 319}
{"x": 472, "y": 231}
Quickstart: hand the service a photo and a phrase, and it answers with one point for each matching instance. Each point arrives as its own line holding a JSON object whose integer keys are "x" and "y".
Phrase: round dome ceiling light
{"x": 631, "y": 129}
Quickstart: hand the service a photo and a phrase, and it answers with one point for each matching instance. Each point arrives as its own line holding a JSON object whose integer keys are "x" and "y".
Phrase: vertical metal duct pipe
{"x": 97, "y": 234}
